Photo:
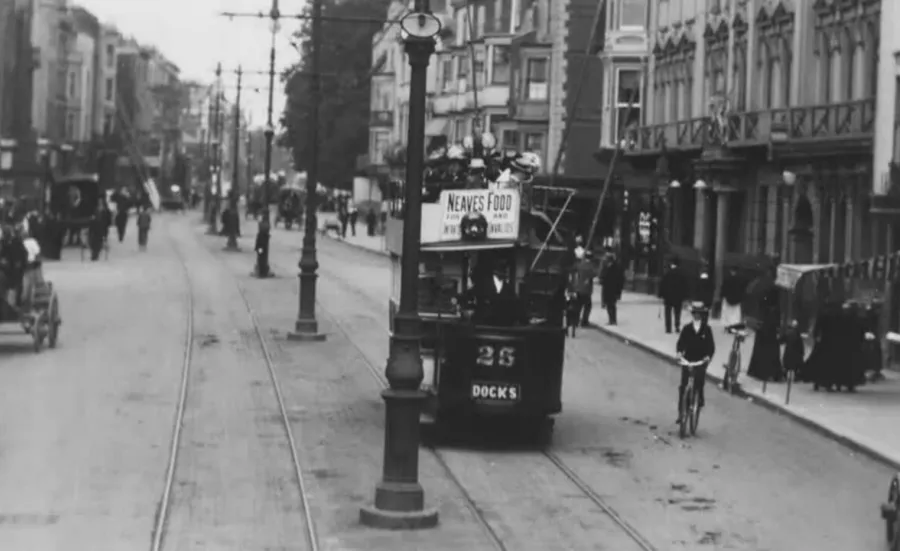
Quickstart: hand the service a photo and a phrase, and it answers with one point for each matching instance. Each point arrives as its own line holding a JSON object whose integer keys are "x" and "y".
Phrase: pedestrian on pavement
{"x": 874, "y": 355}
{"x": 354, "y": 217}
{"x": 765, "y": 360}
{"x": 98, "y": 229}
{"x": 673, "y": 290}
{"x": 371, "y": 221}
{"x": 695, "y": 344}
{"x": 583, "y": 276}
{"x": 262, "y": 248}
{"x": 344, "y": 219}
{"x": 733, "y": 292}
{"x": 821, "y": 367}
{"x": 143, "y": 224}
{"x": 613, "y": 283}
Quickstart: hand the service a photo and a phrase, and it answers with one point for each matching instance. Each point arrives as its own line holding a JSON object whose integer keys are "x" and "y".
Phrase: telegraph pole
{"x": 233, "y": 194}
{"x": 217, "y": 157}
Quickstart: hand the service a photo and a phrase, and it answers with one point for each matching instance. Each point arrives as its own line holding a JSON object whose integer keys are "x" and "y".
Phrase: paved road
{"x": 752, "y": 480}
{"x": 84, "y": 428}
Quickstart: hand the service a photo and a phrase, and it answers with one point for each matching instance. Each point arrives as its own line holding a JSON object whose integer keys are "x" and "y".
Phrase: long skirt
{"x": 731, "y": 313}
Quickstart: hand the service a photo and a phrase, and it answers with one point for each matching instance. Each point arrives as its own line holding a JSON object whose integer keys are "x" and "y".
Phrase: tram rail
{"x": 163, "y": 508}
{"x": 643, "y": 543}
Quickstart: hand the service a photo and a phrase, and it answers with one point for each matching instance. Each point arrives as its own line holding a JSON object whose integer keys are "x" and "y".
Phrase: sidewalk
{"x": 864, "y": 421}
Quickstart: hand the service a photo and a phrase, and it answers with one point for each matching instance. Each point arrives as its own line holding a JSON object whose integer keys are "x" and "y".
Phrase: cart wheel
{"x": 53, "y": 321}
{"x": 37, "y": 333}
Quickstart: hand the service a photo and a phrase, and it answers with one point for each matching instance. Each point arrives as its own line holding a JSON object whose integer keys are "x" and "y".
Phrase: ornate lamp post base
{"x": 399, "y": 498}
{"x": 306, "y": 328}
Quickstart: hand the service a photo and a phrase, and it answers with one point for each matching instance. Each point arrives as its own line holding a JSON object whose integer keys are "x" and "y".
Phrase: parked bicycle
{"x": 733, "y": 365}
{"x": 689, "y": 416}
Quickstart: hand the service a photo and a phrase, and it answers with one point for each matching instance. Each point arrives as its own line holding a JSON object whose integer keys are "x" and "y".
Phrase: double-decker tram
{"x": 493, "y": 274}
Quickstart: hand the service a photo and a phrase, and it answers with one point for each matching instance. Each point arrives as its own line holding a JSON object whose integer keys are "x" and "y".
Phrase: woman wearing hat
{"x": 695, "y": 344}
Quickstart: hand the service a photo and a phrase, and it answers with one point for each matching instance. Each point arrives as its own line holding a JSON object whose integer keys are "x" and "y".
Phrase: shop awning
{"x": 436, "y": 127}
{"x": 877, "y": 268}
{"x": 788, "y": 275}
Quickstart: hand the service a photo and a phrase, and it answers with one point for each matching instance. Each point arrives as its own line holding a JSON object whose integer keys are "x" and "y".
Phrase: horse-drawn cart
{"x": 37, "y": 311}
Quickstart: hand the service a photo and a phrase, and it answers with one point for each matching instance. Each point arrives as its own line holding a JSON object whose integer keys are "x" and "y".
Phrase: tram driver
{"x": 495, "y": 297}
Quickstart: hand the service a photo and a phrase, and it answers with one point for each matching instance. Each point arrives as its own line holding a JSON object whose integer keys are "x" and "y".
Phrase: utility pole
{"x": 208, "y": 158}
{"x": 217, "y": 157}
{"x": 233, "y": 193}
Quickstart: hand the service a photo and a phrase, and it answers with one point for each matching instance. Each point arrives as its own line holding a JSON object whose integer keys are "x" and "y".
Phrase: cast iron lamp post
{"x": 306, "y": 328}
{"x": 399, "y": 498}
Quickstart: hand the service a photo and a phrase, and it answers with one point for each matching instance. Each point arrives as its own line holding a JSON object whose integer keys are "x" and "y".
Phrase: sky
{"x": 191, "y": 34}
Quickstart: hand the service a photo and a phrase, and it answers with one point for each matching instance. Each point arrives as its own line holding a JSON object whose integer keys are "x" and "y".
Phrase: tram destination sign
{"x": 500, "y": 208}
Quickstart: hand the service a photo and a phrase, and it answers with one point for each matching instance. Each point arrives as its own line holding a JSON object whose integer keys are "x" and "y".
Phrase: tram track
{"x": 164, "y": 505}
{"x": 557, "y": 463}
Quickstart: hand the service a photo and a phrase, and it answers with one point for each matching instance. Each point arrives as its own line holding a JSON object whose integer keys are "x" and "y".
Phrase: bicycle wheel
{"x": 728, "y": 379}
{"x": 695, "y": 414}
{"x": 686, "y": 405}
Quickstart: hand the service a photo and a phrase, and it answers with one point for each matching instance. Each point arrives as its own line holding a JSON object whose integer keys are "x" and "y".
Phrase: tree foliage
{"x": 346, "y": 69}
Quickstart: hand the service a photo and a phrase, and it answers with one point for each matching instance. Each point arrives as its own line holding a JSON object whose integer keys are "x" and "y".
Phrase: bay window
{"x": 500, "y": 64}
{"x": 628, "y": 101}
{"x": 462, "y": 72}
{"x": 447, "y": 75}
{"x": 536, "y": 79}
{"x": 631, "y": 14}
{"x": 509, "y": 140}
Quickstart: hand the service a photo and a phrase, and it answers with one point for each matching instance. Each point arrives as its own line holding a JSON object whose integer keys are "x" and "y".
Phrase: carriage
{"x": 488, "y": 363}
{"x": 36, "y": 311}
{"x": 290, "y": 206}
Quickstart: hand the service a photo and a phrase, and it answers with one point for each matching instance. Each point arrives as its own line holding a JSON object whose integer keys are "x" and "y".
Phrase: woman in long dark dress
{"x": 823, "y": 363}
{"x": 794, "y": 351}
{"x": 765, "y": 360}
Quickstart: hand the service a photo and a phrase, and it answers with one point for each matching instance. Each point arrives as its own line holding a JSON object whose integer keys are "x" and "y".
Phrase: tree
{"x": 346, "y": 62}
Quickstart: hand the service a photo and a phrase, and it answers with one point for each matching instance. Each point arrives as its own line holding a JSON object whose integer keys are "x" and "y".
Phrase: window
{"x": 72, "y": 85}
{"x": 108, "y": 124}
{"x": 110, "y": 56}
{"x": 110, "y": 89}
{"x": 479, "y": 72}
{"x": 628, "y": 101}
{"x": 447, "y": 75}
{"x": 494, "y": 120}
{"x": 462, "y": 72}
{"x": 510, "y": 140}
{"x": 380, "y": 143}
{"x": 536, "y": 79}
{"x": 632, "y": 14}
{"x": 534, "y": 142}
{"x": 499, "y": 64}
{"x": 70, "y": 126}
{"x": 460, "y": 129}
{"x": 499, "y": 16}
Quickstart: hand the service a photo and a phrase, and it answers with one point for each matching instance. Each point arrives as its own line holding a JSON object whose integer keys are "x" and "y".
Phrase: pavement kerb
{"x": 767, "y": 404}
{"x": 356, "y": 246}
{"x": 740, "y": 392}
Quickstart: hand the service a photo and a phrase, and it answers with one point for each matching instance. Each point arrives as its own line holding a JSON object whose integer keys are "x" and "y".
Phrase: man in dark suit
{"x": 695, "y": 344}
{"x": 673, "y": 290}
{"x": 495, "y": 296}
{"x": 612, "y": 281}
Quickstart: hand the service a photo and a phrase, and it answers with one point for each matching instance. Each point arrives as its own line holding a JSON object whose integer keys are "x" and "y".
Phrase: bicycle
{"x": 733, "y": 365}
{"x": 689, "y": 416}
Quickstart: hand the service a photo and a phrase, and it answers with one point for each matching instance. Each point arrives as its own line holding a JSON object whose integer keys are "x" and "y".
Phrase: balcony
{"x": 846, "y": 122}
{"x": 381, "y": 119}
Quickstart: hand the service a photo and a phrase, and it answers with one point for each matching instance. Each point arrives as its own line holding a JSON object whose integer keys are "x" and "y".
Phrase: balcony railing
{"x": 847, "y": 120}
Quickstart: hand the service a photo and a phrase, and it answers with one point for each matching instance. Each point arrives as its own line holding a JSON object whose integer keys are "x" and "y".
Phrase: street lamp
{"x": 399, "y": 498}
{"x": 306, "y": 328}
{"x": 46, "y": 153}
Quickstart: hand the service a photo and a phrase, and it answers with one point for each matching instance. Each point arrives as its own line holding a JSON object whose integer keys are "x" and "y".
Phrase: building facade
{"x": 757, "y": 127}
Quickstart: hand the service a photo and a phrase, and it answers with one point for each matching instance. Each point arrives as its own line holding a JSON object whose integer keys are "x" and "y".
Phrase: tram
{"x": 493, "y": 274}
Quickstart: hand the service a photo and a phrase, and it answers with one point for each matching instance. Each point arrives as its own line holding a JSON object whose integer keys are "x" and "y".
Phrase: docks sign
{"x": 500, "y": 208}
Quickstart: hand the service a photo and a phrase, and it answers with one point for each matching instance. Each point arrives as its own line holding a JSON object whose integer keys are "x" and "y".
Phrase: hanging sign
{"x": 500, "y": 208}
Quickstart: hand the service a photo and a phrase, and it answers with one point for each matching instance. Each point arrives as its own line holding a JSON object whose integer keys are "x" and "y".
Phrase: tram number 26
{"x": 491, "y": 356}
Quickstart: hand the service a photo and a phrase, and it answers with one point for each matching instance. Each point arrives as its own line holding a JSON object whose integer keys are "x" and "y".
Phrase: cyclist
{"x": 695, "y": 343}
